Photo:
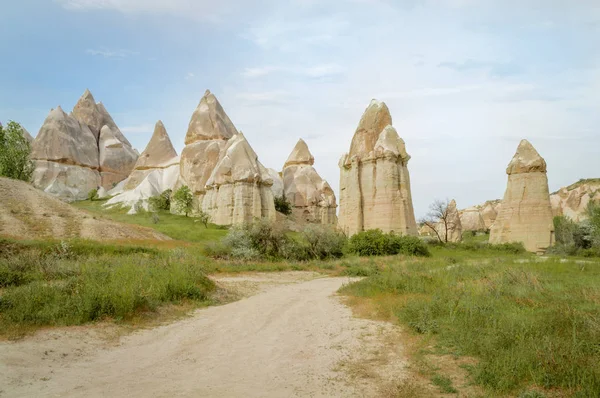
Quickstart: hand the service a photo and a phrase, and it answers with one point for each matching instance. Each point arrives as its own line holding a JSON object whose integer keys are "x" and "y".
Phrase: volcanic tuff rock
{"x": 76, "y": 153}
{"x": 65, "y": 153}
{"x": 572, "y": 201}
{"x": 206, "y": 138}
{"x": 452, "y": 223}
{"x": 156, "y": 170}
{"x": 277, "y": 186}
{"x": 374, "y": 179}
{"x": 239, "y": 188}
{"x": 526, "y": 213}
{"x": 311, "y": 197}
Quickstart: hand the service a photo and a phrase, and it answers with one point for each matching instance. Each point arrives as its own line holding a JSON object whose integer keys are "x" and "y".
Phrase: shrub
{"x": 183, "y": 200}
{"x": 93, "y": 195}
{"x": 509, "y": 248}
{"x": 161, "y": 202}
{"x": 265, "y": 240}
{"x": 282, "y": 205}
{"x": 375, "y": 243}
{"x": 324, "y": 242}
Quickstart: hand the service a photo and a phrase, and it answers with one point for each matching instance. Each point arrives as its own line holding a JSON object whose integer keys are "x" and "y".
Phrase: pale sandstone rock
{"x": 116, "y": 157}
{"x": 87, "y": 112}
{"x": 572, "y": 201}
{"x": 277, "y": 186}
{"x": 65, "y": 181}
{"x": 156, "y": 170}
{"x": 526, "y": 212}
{"x": 239, "y": 188}
{"x": 471, "y": 219}
{"x": 27, "y": 136}
{"x": 311, "y": 197}
{"x": 206, "y": 139}
{"x": 65, "y": 154}
{"x": 453, "y": 224}
{"x": 374, "y": 178}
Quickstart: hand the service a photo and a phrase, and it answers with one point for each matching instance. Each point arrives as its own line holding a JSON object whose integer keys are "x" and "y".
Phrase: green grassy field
{"x": 527, "y": 326}
{"x": 182, "y": 228}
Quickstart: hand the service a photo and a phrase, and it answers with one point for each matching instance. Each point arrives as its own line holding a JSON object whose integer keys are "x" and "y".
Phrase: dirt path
{"x": 293, "y": 338}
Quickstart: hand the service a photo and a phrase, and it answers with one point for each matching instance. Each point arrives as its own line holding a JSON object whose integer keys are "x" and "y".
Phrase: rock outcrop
{"x": 277, "y": 186}
{"x": 208, "y": 132}
{"x": 156, "y": 170}
{"x": 374, "y": 179}
{"x": 65, "y": 153}
{"x": 76, "y": 153}
{"x": 452, "y": 227}
{"x": 239, "y": 187}
{"x": 526, "y": 213}
{"x": 572, "y": 201}
{"x": 311, "y": 197}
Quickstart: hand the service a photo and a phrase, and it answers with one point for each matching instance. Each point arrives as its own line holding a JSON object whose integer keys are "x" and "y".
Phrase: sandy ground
{"x": 292, "y": 337}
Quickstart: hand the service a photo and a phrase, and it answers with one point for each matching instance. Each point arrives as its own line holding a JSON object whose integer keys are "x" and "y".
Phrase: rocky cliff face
{"x": 526, "y": 213}
{"x": 374, "y": 179}
{"x": 312, "y": 198}
{"x": 156, "y": 170}
{"x": 572, "y": 201}
{"x": 239, "y": 187}
{"x": 208, "y": 132}
{"x": 76, "y": 153}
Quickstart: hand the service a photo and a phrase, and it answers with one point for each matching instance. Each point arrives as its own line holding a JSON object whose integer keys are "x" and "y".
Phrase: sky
{"x": 465, "y": 80}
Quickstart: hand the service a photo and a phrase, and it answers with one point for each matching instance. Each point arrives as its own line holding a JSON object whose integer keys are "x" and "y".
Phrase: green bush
{"x": 324, "y": 242}
{"x": 161, "y": 202}
{"x": 282, "y": 205}
{"x": 508, "y": 248}
{"x": 265, "y": 240}
{"x": 93, "y": 195}
{"x": 375, "y": 243}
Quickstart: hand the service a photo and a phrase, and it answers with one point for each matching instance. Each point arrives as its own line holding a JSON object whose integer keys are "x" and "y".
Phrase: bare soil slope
{"x": 293, "y": 338}
{"x": 26, "y": 212}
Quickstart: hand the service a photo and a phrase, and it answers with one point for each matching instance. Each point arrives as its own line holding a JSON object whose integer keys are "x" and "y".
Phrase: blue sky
{"x": 465, "y": 80}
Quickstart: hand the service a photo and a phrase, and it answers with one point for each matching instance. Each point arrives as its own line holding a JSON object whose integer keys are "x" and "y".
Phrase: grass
{"x": 528, "y": 322}
{"x": 178, "y": 227}
{"x": 444, "y": 384}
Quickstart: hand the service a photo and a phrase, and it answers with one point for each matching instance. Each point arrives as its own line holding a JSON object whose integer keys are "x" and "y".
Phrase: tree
{"x": 15, "y": 150}
{"x": 439, "y": 218}
{"x": 183, "y": 200}
{"x": 282, "y": 205}
{"x": 204, "y": 218}
{"x": 162, "y": 201}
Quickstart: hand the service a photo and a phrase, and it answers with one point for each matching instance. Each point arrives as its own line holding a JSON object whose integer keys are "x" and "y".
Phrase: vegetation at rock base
{"x": 15, "y": 150}
{"x": 183, "y": 200}
{"x": 282, "y": 205}
{"x": 161, "y": 202}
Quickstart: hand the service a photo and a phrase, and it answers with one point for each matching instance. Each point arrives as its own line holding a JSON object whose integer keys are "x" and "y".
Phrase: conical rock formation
{"x": 452, "y": 227}
{"x": 156, "y": 170}
{"x": 277, "y": 186}
{"x": 116, "y": 157}
{"x": 206, "y": 138}
{"x": 526, "y": 213}
{"x": 374, "y": 178}
{"x": 311, "y": 197}
{"x": 65, "y": 154}
{"x": 239, "y": 187}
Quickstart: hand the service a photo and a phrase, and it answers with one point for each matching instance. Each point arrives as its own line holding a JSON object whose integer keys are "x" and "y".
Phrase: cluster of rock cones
{"x": 86, "y": 150}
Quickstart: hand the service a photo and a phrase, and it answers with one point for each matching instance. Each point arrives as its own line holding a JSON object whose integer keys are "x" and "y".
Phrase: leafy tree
{"x": 282, "y": 205}
{"x": 183, "y": 200}
{"x": 162, "y": 201}
{"x": 204, "y": 218}
{"x": 15, "y": 150}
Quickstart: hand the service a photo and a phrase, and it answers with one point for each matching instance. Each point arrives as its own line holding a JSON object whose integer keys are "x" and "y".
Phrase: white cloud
{"x": 106, "y": 53}
{"x": 317, "y": 71}
{"x": 189, "y": 76}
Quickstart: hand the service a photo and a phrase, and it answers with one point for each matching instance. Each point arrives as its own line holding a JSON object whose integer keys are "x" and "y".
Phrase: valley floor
{"x": 290, "y": 336}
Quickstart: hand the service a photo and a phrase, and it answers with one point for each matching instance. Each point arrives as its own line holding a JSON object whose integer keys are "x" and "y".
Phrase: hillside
{"x": 26, "y": 212}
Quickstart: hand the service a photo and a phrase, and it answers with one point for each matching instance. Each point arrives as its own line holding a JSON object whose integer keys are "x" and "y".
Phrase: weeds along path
{"x": 294, "y": 339}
